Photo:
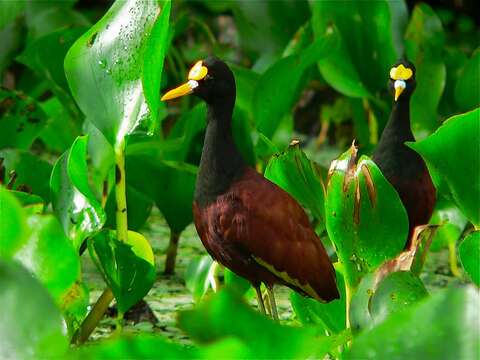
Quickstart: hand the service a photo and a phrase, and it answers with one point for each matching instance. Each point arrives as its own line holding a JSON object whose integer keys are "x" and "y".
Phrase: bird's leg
{"x": 171, "y": 253}
{"x": 260, "y": 303}
{"x": 273, "y": 305}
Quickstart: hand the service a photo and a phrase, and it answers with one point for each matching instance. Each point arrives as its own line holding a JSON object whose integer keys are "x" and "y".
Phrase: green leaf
{"x": 365, "y": 217}
{"x": 31, "y": 325}
{"x": 126, "y": 267}
{"x": 212, "y": 320}
{"x": 271, "y": 101}
{"x": 330, "y": 316}
{"x": 21, "y": 120}
{"x": 106, "y": 68}
{"x": 13, "y": 224}
{"x": 246, "y": 81}
{"x": 30, "y": 170}
{"x": 359, "y": 66}
{"x": 360, "y": 317}
{"x": 237, "y": 283}
{"x": 74, "y": 203}
{"x": 444, "y": 326}
{"x": 9, "y": 10}
{"x": 299, "y": 176}
{"x": 450, "y": 151}
{"x": 424, "y": 42}
{"x": 396, "y": 292}
{"x": 197, "y": 276}
{"x": 469, "y": 250}
{"x": 45, "y": 56}
{"x": 467, "y": 94}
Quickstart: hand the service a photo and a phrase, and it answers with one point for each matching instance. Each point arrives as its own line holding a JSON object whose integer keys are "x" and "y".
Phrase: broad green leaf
{"x": 396, "y": 292}
{"x": 299, "y": 176}
{"x": 31, "y": 326}
{"x": 365, "y": 217}
{"x": 21, "y": 120}
{"x": 452, "y": 223}
{"x": 106, "y": 68}
{"x": 330, "y": 316}
{"x": 237, "y": 283}
{"x": 467, "y": 93}
{"x": 33, "y": 204}
{"x": 212, "y": 320}
{"x": 271, "y": 100}
{"x": 49, "y": 255}
{"x": 246, "y": 81}
{"x": 9, "y": 10}
{"x": 359, "y": 66}
{"x": 13, "y": 224}
{"x": 469, "y": 250}
{"x": 452, "y": 151}
{"x": 45, "y": 56}
{"x": 444, "y": 326}
{"x": 32, "y": 173}
{"x": 170, "y": 185}
{"x": 197, "y": 276}
{"x": 127, "y": 268}
{"x": 360, "y": 316}
{"x": 74, "y": 203}
{"x": 424, "y": 46}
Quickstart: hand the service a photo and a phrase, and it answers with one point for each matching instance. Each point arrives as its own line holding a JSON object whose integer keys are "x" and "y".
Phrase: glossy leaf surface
{"x": 469, "y": 251}
{"x": 467, "y": 94}
{"x": 13, "y": 224}
{"x": 73, "y": 200}
{"x": 106, "y": 67}
{"x": 450, "y": 152}
{"x": 197, "y": 276}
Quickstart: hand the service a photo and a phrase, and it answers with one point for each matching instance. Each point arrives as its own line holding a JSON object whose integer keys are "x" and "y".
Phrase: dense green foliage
{"x": 87, "y": 150}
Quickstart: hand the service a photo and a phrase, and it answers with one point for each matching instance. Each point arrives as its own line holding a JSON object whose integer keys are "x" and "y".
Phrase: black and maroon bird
{"x": 403, "y": 167}
{"x": 246, "y": 222}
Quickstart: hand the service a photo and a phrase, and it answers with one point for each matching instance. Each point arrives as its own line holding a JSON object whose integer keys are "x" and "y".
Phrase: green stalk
{"x": 101, "y": 306}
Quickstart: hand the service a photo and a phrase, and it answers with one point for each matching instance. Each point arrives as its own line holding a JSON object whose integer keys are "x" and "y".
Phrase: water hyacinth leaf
{"x": 365, "y": 217}
{"x": 450, "y": 151}
{"x": 31, "y": 326}
{"x": 451, "y": 221}
{"x": 265, "y": 337}
{"x": 270, "y": 100}
{"x": 57, "y": 270}
{"x": 198, "y": 275}
{"x": 330, "y": 316}
{"x": 450, "y": 318}
{"x": 13, "y": 224}
{"x": 296, "y": 174}
{"x": 32, "y": 174}
{"x": 21, "y": 120}
{"x": 394, "y": 293}
{"x": 424, "y": 47}
{"x": 128, "y": 268}
{"x": 74, "y": 203}
{"x": 33, "y": 204}
{"x": 469, "y": 251}
{"x": 467, "y": 94}
{"x": 360, "y": 316}
{"x": 237, "y": 283}
{"x": 45, "y": 56}
{"x": 105, "y": 68}
{"x": 357, "y": 67}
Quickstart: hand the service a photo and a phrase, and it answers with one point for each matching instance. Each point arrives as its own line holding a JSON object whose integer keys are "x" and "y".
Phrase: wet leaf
{"x": 106, "y": 68}
{"x": 21, "y": 120}
{"x": 74, "y": 203}
{"x": 127, "y": 268}
{"x": 31, "y": 325}
{"x": 365, "y": 217}
{"x": 450, "y": 152}
{"x": 469, "y": 251}
{"x": 449, "y": 318}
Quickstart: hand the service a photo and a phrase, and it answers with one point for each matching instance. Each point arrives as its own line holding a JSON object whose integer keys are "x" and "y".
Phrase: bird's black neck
{"x": 221, "y": 163}
{"x": 398, "y": 130}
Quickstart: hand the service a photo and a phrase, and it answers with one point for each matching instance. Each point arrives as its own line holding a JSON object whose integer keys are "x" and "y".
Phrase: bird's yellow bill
{"x": 181, "y": 90}
{"x": 399, "y": 86}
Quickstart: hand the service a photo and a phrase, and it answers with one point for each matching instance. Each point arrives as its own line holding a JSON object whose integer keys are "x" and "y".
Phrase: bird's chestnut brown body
{"x": 403, "y": 167}
{"x": 260, "y": 232}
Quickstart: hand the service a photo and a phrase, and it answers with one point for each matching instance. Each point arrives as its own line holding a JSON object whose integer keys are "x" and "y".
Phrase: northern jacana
{"x": 246, "y": 222}
{"x": 402, "y": 166}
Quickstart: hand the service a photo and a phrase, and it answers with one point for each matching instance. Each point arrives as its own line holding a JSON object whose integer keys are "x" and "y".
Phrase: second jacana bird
{"x": 402, "y": 166}
{"x": 246, "y": 222}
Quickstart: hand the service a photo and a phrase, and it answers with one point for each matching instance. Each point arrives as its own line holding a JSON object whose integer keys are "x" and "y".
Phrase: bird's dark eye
{"x": 209, "y": 77}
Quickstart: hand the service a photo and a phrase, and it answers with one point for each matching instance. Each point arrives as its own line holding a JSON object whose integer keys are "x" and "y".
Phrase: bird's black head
{"x": 402, "y": 80}
{"x": 210, "y": 79}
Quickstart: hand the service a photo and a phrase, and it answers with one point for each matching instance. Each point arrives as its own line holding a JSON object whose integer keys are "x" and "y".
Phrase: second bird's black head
{"x": 211, "y": 80}
{"x": 402, "y": 80}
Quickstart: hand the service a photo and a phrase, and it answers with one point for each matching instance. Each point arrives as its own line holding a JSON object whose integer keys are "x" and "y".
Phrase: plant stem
{"x": 348, "y": 299}
{"x": 93, "y": 318}
{"x": 452, "y": 252}
{"x": 96, "y": 314}
{"x": 171, "y": 253}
